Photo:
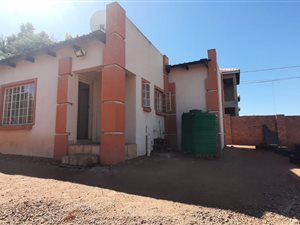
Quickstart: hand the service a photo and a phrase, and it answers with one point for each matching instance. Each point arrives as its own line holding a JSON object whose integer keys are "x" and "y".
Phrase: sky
{"x": 250, "y": 35}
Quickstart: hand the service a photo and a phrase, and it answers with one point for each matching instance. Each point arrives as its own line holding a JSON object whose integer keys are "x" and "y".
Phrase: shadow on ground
{"x": 251, "y": 182}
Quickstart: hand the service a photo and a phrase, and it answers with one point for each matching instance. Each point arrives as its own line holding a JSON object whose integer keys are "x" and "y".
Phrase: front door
{"x": 83, "y": 111}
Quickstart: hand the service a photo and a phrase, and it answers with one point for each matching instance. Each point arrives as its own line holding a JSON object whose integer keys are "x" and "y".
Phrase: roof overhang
{"x": 231, "y": 71}
{"x": 51, "y": 49}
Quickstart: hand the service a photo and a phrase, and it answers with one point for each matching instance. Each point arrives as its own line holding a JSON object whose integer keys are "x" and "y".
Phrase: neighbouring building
{"x": 231, "y": 78}
{"x": 110, "y": 91}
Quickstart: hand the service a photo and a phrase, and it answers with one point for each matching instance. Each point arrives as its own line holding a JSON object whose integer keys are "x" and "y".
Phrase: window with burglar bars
{"x": 146, "y": 94}
{"x": 18, "y": 104}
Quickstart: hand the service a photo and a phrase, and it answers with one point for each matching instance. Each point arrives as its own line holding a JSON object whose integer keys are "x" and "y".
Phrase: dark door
{"x": 83, "y": 111}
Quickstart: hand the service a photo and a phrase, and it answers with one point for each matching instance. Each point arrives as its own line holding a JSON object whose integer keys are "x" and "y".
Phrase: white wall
{"x": 130, "y": 109}
{"x": 190, "y": 91}
{"x": 39, "y": 141}
{"x": 93, "y": 57}
{"x": 145, "y": 61}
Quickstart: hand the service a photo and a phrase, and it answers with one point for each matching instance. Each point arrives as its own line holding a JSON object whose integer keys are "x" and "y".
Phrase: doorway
{"x": 83, "y": 111}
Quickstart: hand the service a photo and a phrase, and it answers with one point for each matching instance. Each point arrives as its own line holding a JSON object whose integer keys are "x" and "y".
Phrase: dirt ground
{"x": 242, "y": 187}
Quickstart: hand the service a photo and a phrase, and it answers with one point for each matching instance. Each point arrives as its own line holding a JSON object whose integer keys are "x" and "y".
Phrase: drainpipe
{"x": 221, "y": 115}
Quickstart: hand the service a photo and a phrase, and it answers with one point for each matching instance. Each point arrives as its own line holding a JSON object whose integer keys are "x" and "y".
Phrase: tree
{"x": 25, "y": 41}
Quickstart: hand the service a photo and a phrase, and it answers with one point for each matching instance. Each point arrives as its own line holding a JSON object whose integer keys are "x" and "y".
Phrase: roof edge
{"x": 186, "y": 65}
{"x": 99, "y": 35}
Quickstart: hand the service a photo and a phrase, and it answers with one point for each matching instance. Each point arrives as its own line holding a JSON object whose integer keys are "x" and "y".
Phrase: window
{"x": 159, "y": 100}
{"x": 229, "y": 92}
{"x": 230, "y": 110}
{"x": 168, "y": 100}
{"x": 146, "y": 95}
{"x": 18, "y": 103}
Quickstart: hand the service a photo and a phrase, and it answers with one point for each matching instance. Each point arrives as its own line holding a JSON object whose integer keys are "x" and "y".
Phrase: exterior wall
{"x": 247, "y": 130}
{"x": 92, "y": 59}
{"x": 130, "y": 109}
{"x": 39, "y": 141}
{"x": 190, "y": 92}
{"x": 292, "y": 124}
{"x": 144, "y": 61}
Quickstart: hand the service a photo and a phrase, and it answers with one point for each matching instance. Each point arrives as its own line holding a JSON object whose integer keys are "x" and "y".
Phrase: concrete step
{"x": 81, "y": 159}
{"x": 84, "y": 148}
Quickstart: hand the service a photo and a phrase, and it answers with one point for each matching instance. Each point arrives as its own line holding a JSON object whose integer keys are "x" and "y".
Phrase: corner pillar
{"x": 112, "y": 150}
{"x": 214, "y": 96}
{"x": 61, "y": 134}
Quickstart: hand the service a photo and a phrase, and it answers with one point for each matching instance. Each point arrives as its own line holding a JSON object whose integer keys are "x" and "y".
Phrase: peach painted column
{"x": 112, "y": 148}
{"x": 61, "y": 134}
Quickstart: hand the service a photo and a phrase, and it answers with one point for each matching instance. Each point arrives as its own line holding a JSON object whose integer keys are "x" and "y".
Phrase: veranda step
{"x": 88, "y": 149}
{"x": 81, "y": 159}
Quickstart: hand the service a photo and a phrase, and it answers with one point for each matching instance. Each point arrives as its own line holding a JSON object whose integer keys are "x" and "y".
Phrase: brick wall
{"x": 292, "y": 129}
{"x": 247, "y": 130}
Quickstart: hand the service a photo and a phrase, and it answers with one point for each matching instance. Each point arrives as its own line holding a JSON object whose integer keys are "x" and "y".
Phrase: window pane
{"x": 146, "y": 95}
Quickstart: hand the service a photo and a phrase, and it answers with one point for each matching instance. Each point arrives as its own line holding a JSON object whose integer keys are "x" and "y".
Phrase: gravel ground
{"x": 243, "y": 187}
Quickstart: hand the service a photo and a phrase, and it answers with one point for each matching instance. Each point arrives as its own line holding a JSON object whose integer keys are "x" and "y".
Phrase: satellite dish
{"x": 98, "y": 21}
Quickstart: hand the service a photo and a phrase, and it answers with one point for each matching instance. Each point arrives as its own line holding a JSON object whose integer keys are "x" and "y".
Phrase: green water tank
{"x": 199, "y": 133}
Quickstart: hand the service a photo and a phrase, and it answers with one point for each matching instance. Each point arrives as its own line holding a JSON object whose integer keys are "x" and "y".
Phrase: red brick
{"x": 212, "y": 101}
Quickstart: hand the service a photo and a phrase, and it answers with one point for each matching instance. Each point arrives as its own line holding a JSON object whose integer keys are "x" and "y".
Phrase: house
{"x": 111, "y": 92}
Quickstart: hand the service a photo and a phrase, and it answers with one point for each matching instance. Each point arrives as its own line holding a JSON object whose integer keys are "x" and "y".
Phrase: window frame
{"x": 146, "y": 108}
{"x": 2, "y": 100}
{"x": 161, "y": 92}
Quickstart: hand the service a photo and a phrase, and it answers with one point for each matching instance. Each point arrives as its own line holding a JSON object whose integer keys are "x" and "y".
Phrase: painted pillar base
{"x": 112, "y": 149}
{"x": 61, "y": 134}
{"x": 60, "y": 146}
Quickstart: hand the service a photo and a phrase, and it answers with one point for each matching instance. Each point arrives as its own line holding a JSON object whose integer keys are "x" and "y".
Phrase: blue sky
{"x": 247, "y": 35}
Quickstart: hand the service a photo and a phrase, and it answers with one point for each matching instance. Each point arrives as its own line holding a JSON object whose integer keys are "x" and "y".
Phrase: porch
{"x": 85, "y": 118}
